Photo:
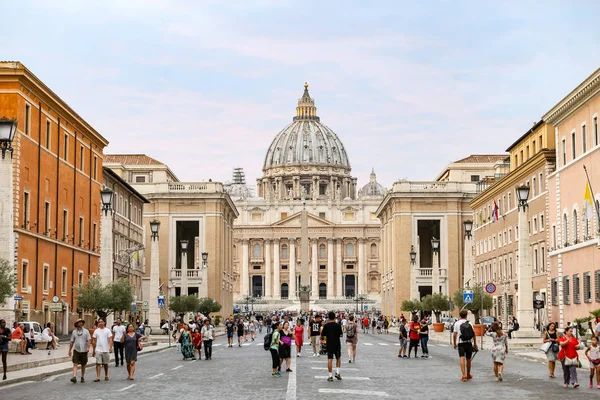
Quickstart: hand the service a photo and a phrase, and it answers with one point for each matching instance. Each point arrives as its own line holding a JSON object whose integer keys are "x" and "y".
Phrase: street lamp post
{"x": 204, "y": 272}
{"x": 8, "y": 129}
{"x": 525, "y": 312}
{"x": 106, "y": 240}
{"x": 154, "y": 319}
{"x": 184, "y": 267}
{"x": 468, "y": 252}
{"x": 435, "y": 272}
{"x": 414, "y": 272}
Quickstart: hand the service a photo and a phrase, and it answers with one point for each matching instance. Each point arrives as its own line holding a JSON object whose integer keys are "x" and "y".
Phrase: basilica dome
{"x": 306, "y": 141}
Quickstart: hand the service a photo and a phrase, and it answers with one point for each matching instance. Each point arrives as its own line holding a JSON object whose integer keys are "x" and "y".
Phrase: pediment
{"x": 294, "y": 220}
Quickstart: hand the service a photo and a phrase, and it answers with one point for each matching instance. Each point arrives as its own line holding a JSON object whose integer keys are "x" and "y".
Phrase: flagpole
{"x": 593, "y": 200}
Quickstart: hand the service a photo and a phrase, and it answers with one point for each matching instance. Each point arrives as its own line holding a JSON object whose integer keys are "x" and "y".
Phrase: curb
{"x": 62, "y": 370}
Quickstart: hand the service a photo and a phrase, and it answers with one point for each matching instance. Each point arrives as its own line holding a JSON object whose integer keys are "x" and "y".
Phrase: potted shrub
{"x": 437, "y": 303}
{"x": 414, "y": 306}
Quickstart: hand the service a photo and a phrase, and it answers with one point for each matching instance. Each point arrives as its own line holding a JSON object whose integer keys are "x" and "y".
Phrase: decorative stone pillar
{"x": 106, "y": 246}
{"x": 361, "y": 266}
{"x": 245, "y": 273}
{"x": 276, "y": 272}
{"x": 184, "y": 274}
{"x": 330, "y": 287}
{"x": 7, "y": 235}
{"x": 338, "y": 270}
{"x": 292, "y": 269}
{"x": 435, "y": 272}
{"x": 154, "y": 312}
{"x": 525, "y": 312}
{"x": 315, "y": 269}
{"x": 267, "y": 292}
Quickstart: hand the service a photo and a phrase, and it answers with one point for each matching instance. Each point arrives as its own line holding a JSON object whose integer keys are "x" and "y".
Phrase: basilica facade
{"x": 308, "y": 224}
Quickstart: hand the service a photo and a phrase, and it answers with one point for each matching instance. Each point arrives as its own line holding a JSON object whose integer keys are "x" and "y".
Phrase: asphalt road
{"x": 244, "y": 373}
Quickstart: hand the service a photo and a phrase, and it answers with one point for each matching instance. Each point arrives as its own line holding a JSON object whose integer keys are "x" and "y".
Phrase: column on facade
{"x": 361, "y": 266}
{"x": 315, "y": 269}
{"x": 330, "y": 287}
{"x": 267, "y": 291}
{"x": 292, "y": 269}
{"x": 276, "y": 272}
{"x": 245, "y": 272}
{"x": 338, "y": 270}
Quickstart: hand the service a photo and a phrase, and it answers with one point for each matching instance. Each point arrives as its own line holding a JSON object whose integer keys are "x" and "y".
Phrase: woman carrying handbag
{"x": 569, "y": 358}
{"x": 551, "y": 347}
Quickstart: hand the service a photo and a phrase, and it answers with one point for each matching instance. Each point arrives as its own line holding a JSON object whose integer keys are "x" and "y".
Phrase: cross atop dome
{"x": 306, "y": 109}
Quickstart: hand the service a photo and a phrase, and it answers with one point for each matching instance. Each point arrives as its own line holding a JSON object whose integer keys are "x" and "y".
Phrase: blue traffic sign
{"x": 366, "y": 308}
{"x": 161, "y": 302}
{"x": 17, "y": 298}
{"x": 134, "y": 308}
{"x": 467, "y": 298}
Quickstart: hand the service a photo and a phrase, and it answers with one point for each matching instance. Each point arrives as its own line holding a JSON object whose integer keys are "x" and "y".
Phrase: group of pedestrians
{"x": 192, "y": 338}
{"x": 413, "y": 334}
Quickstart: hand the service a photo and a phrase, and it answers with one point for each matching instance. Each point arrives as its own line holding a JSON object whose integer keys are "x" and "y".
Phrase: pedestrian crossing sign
{"x": 467, "y": 298}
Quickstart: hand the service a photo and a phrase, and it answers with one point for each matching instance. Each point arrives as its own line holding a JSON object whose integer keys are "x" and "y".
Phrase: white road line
{"x": 216, "y": 345}
{"x": 343, "y": 369}
{"x": 126, "y": 388}
{"x": 291, "y": 387}
{"x": 177, "y": 367}
{"x": 246, "y": 344}
{"x": 349, "y": 378}
{"x": 382, "y": 344}
{"x": 155, "y": 376}
{"x": 368, "y": 344}
{"x": 352, "y": 391}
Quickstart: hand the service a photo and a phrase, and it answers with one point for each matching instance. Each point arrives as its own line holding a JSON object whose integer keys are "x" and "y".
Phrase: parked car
{"x": 33, "y": 331}
{"x": 487, "y": 321}
{"x": 448, "y": 322}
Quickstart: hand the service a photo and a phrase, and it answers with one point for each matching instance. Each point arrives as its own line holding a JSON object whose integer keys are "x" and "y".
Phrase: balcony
{"x": 434, "y": 186}
{"x": 424, "y": 272}
{"x": 193, "y": 275}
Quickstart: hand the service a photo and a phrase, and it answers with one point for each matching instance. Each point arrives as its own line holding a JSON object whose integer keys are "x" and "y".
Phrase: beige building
{"x": 127, "y": 234}
{"x": 307, "y": 177}
{"x": 574, "y": 256}
{"x": 412, "y": 214}
{"x": 200, "y": 213}
{"x": 496, "y": 234}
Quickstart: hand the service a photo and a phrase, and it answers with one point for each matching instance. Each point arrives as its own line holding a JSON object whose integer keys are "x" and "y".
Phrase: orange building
{"x": 57, "y": 175}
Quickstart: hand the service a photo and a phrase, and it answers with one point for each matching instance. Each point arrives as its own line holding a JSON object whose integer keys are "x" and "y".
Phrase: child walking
{"x": 593, "y": 355}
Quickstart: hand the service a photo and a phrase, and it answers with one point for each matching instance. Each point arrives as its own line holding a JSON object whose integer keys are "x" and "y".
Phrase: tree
{"x": 414, "y": 305}
{"x": 7, "y": 281}
{"x": 184, "y": 304}
{"x": 105, "y": 299}
{"x": 436, "y": 303}
{"x": 475, "y": 307}
{"x": 208, "y": 305}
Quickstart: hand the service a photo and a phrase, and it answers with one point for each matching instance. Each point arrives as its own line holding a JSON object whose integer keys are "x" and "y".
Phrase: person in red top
{"x": 197, "y": 342}
{"x": 568, "y": 357}
{"x": 365, "y": 325}
{"x": 299, "y": 336}
{"x": 415, "y": 328}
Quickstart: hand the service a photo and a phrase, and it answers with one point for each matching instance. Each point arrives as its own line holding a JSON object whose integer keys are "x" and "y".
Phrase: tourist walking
{"x": 285, "y": 348}
{"x": 593, "y": 355}
{"x": 424, "y": 338}
{"x": 4, "y": 340}
{"x": 332, "y": 332}
{"x": 499, "y": 349}
{"x": 229, "y": 327}
{"x": 79, "y": 346}
{"x": 240, "y": 331}
{"x": 464, "y": 340}
{"x": 413, "y": 334}
{"x": 131, "y": 343}
{"x": 118, "y": 332}
{"x": 299, "y": 337}
{"x": 187, "y": 347}
{"x": 569, "y": 357}
{"x": 365, "y": 324}
{"x": 551, "y": 336}
{"x": 208, "y": 335}
{"x": 274, "y": 349}
{"x": 403, "y": 337}
{"x": 351, "y": 339}
{"x": 197, "y": 343}
{"x": 102, "y": 346}
{"x": 315, "y": 331}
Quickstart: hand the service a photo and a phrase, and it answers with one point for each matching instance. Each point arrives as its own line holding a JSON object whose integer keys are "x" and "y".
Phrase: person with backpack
{"x": 274, "y": 340}
{"x": 465, "y": 341}
{"x": 351, "y": 338}
{"x": 403, "y": 335}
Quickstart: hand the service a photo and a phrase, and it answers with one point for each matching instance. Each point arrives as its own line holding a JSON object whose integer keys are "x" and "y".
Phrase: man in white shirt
{"x": 208, "y": 335}
{"x": 597, "y": 329}
{"x": 464, "y": 345}
{"x": 118, "y": 332}
{"x": 102, "y": 342}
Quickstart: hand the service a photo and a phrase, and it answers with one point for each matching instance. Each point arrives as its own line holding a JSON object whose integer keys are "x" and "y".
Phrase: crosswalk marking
{"x": 382, "y": 344}
{"x": 216, "y": 344}
{"x": 349, "y": 378}
{"x": 343, "y": 369}
{"x": 368, "y": 344}
{"x": 353, "y": 391}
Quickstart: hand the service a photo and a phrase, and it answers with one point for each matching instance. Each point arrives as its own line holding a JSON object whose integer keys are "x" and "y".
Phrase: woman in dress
{"x": 187, "y": 347}
{"x": 568, "y": 357}
{"x": 499, "y": 349}
{"x": 299, "y": 336}
{"x": 551, "y": 336}
{"x": 285, "y": 349}
{"x": 131, "y": 341}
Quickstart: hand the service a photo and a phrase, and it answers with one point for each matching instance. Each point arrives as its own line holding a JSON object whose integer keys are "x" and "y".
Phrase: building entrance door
{"x": 257, "y": 286}
{"x": 350, "y": 285}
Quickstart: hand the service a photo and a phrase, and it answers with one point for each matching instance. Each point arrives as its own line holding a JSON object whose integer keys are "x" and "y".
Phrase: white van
{"x": 33, "y": 330}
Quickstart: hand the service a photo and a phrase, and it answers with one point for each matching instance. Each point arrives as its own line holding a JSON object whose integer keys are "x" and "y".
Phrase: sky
{"x": 205, "y": 86}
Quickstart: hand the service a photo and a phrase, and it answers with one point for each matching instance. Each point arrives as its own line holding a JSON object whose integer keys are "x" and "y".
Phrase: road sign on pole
{"x": 468, "y": 297}
{"x": 490, "y": 288}
{"x": 161, "y": 301}
{"x": 18, "y": 298}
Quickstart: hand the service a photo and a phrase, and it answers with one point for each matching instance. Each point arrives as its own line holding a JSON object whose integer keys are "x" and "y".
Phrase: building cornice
{"x": 582, "y": 93}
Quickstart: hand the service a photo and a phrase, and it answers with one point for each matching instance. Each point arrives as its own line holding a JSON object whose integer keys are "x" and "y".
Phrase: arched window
{"x": 284, "y": 291}
{"x": 350, "y": 250}
{"x": 322, "y": 291}
{"x": 373, "y": 250}
{"x": 565, "y": 229}
{"x": 322, "y": 251}
{"x": 575, "y": 230}
{"x": 256, "y": 251}
{"x": 284, "y": 251}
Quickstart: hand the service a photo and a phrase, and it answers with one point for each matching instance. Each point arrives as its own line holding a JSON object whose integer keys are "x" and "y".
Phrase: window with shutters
{"x": 597, "y": 284}
{"x": 554, "y": 292}
{"x": 566, "y": 290}
{"x": 587, "y": 287}
{"x": 576, "y": 289}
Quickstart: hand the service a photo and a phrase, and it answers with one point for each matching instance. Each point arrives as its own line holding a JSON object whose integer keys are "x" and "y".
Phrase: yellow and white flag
{"x": 587, "y": 203}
